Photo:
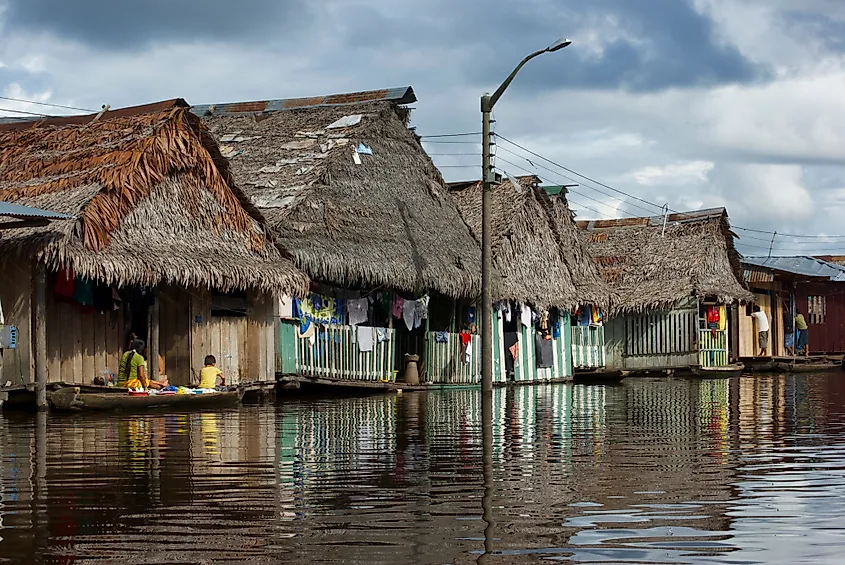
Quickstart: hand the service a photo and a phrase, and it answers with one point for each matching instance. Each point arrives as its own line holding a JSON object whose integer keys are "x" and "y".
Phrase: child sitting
{"x": 209, "y": 374}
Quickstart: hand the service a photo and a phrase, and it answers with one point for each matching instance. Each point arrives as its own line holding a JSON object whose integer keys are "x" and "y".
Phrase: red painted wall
{"x": 830, "y": 336}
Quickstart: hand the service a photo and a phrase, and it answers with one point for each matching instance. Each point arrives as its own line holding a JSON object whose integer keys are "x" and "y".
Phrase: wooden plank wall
{"x": 244, "y": 347}
{"x": 16, "y": 296}
{"x": 81, "y": 344}
{"x": 175, "y": 324}
{"x": 748, "y": 344}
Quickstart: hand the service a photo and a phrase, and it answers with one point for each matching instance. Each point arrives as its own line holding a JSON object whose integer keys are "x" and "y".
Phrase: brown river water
{"x": 667, "y": 471}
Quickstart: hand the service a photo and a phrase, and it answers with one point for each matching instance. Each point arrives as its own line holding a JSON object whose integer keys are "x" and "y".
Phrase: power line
{"x": 24, "y": 112}
{"x": 580, "y": 205}
{"x": 450, "y": 135}
{"x": 500, "y": 136}
{"x": 537, "y": 165}
{"x": 48, "y": 104}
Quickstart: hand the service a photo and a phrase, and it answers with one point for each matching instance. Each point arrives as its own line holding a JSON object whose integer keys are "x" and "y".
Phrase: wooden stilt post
{"x": 153, "y": 346}
{"x": 39, "y": 334}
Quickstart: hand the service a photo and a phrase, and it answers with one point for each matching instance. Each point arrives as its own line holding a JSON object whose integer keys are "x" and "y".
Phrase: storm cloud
{"x": 737, "y": 103}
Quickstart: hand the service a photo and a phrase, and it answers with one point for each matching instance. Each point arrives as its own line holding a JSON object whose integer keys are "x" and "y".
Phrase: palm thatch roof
{"x": 537, "y": 255}
{"x": 349, "y": 217}
{"x": 152, "y": 201}
{"x": 651, "y": 269}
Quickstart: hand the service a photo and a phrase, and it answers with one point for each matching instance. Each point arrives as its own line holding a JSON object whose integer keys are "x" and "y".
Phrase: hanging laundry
{"x": 382, "y": 335}
{"x": 525, "y": 316}
{"x": 409, "y": 310}
{"x": 713, "y": 317}
{"x": 357, "y": 311}
{"x": 556, "y": 328}
{"x": 441, "y": 337}
{"x": 117, "y": 300}
{"x": 597, "y": 316}
{"x": 514, "y": 349}
{"x": 83, "y": 291}
{"x": 472, "y": 312}
{"x": 398, "y": 306}
{"x": 508, "y": 313}
{"x": 64, "y": 283}
{"x": 420, "y": 311}
{"x": 365, "y": 338}
{"x": 286, "y": 307}
{"x": 466, "y": 348}
{"x": 586, "y": 316}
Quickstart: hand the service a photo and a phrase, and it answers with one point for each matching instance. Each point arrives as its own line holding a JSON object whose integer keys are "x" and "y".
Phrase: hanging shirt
{"x": 409, "y": 310}
{"x": 365, "y": 339}
{"x": 83, "y": 291}
{"x": 525, "y": 316}
{"x": 357, "y": 311}
{"x": 398, "y": 306}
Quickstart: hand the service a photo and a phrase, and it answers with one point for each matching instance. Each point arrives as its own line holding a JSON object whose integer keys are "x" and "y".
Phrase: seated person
{"x": 209, "y": 374}
{"x": 133, "y": 370}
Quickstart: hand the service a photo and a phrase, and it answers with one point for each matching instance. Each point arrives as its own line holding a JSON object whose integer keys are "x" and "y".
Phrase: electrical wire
{"x": 47, "y": 104}
{"x": 24, "y": 112}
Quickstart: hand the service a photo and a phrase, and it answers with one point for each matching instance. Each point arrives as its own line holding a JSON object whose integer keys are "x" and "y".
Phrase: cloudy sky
{"x": 693, "y": 103}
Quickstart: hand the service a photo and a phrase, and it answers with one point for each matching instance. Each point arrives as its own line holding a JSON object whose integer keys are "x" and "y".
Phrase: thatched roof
{"x": 388, "y": 221}
{"x": 653, "y": 270}
{"x": 152, "y": 201}
{"x": 537, "y": 255}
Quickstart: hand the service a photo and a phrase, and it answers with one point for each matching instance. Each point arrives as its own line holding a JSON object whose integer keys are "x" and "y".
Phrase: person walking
{"x": 762, "y": 330}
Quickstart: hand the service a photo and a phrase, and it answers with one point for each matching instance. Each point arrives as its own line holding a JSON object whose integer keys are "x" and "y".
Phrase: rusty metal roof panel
{"x": 758, "y": 276}
{"x": 674, "y": 218}
{"x": 401, "y": 95}
{"x": 129, "y": 111}
{"x": 799, "y": 265}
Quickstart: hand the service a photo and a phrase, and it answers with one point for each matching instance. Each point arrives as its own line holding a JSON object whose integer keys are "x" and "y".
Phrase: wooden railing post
{"x": 39, "y": 334}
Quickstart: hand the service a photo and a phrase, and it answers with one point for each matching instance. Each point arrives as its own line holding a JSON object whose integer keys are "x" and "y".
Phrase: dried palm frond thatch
{"x": 153, "y": 199}
{"x": 537, "y": 255}
{"x": 388, "y": 221}
{"x": 651, "y": 269}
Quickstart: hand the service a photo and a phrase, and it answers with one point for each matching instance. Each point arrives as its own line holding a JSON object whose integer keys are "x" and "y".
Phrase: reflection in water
{"x": 748, "y": 470}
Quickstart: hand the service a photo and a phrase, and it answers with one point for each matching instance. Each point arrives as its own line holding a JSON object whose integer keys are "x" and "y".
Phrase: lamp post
{"x": 488, "y": 178}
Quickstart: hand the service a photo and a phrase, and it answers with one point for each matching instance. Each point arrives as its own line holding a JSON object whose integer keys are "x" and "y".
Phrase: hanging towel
{"x": 409, "y": 310}
{"x": 398, "y": 306}
{"x": 514, "y": 349}
{"x": 441, "y": 337}
{"x": 365, "y": 338}
{"x": 64, "y": 283}
{"x": 83, "y": 291}
{"x": 508, "y": 314}
{"x": 357, "y": 311}
{"x": 525, "y": 316}
{"x": 466, "y": 353}
{"x": 420, "y": 311}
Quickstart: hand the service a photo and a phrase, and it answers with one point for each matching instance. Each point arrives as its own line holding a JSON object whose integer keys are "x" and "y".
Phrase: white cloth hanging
{"x": 357, "y": 310}
{"x": 525, "y": 316}
{"x": 409, "y": 311}
{"x": 365, "y": 338}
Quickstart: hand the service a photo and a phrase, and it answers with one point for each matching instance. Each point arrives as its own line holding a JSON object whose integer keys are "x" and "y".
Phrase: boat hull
{"x": 725, "y": 372}
{"x": 71, "y": 399}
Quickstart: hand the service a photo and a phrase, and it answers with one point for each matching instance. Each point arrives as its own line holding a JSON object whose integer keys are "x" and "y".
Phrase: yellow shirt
{"x": 208, "y": 376}
{"x": 800, "y": 322}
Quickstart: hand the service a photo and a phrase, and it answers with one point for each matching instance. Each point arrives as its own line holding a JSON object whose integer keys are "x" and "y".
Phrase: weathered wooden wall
{"x": 16, "y": 295}
{"x": 748, "y": 343}
{"x": 244, "y": 347}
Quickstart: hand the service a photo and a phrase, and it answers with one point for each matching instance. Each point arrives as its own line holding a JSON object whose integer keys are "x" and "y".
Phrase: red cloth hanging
{"x": 64, "y": 283}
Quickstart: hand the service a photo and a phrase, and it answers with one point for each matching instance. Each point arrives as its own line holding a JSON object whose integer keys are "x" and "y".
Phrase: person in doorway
{"x": 762, "y": 330}
{"x": 788, "y": 331}
{"x": 133, "y": 369}
{"x": 802, "y": 343}
{"x": 209, "y": 374}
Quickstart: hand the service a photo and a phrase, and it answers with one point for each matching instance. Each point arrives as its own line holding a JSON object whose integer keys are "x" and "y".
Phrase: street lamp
{"x": 488, "y": 178}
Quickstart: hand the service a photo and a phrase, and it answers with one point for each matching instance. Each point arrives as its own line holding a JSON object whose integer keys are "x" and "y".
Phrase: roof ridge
{"x": 399, "y": 95}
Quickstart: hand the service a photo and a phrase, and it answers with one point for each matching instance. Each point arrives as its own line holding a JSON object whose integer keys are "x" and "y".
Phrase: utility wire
{"x": 24, "y": 112}
{"x": 48, "y": 104}
{"x": 450, "y": 135}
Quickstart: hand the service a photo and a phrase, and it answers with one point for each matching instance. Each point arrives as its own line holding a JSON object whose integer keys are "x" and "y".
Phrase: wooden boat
{"x": 73, "y": 399}
{"x": 599, "y": 377}
{"x": 798, "y": 366}
{"x": 726, "y": 372}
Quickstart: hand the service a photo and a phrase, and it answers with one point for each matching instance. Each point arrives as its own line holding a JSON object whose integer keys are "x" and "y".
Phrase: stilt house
{"x": 156, "y": 240}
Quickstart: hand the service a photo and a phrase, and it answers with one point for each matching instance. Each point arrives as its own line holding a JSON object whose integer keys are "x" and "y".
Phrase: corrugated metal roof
{"x": 401, "y": 95}
{"x": 800, "y": 265}
{"x": 155, "y": 107}
{"x": 7, "y": 209}
{"x": 674, "y": 218}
